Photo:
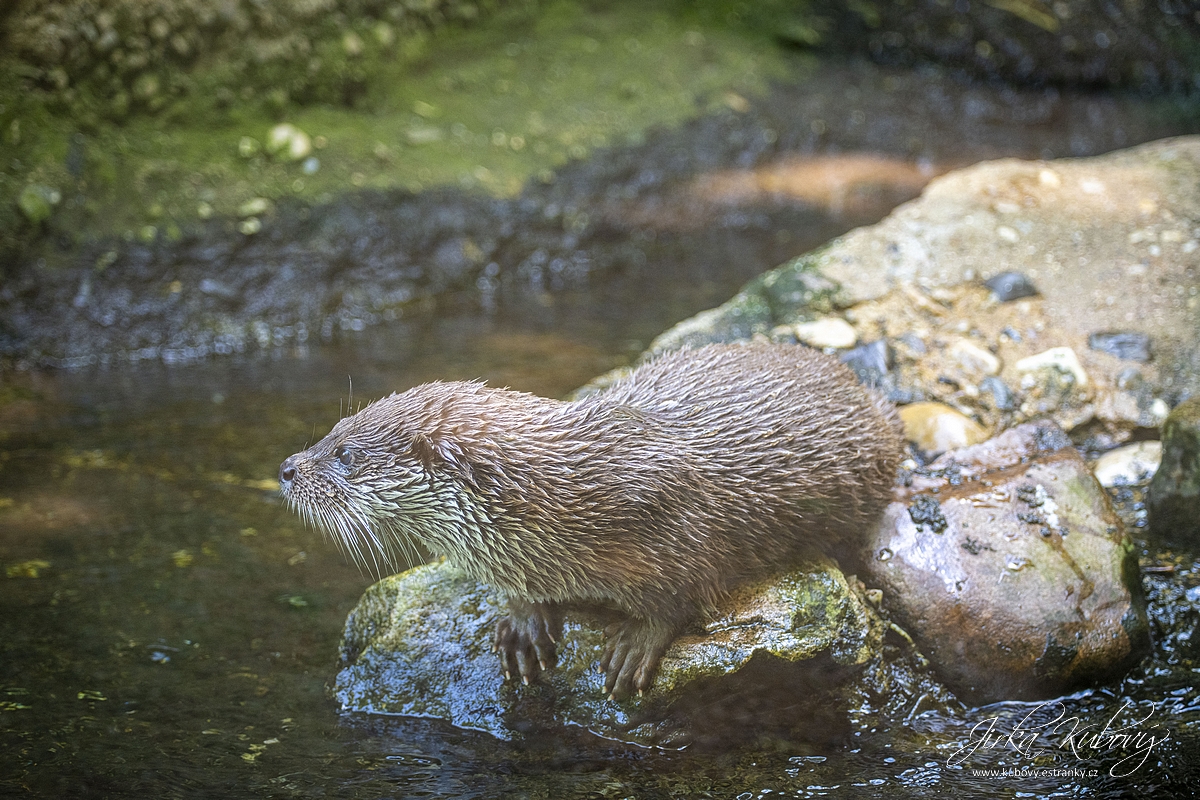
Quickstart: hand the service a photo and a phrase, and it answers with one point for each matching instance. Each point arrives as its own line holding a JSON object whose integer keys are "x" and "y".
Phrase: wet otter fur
{"x": 654, "y": 497}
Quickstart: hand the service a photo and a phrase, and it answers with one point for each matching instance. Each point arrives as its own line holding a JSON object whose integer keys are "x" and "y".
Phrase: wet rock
{"x": 871, "y": 362}
{"x": 1174, "y": 502}
{"x": 936, "y": 428}
{"x": 741, "y": 317}
{"x": 1129, "y": 345}
{"x": 419, "y": 644}
{"x": 1009, "y": 286}
{"x": 1124, "y": 466}
{"x": 827, "y": 332}
{"x": 1030, "y": 588}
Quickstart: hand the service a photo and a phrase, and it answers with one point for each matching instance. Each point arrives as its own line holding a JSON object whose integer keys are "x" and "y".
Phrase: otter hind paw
{"x": 632, "y": 651}
{"x": 526, "y": 639}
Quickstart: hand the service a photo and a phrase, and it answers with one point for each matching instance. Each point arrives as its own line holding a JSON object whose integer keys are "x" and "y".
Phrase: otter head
{"x": 384, "y": 477}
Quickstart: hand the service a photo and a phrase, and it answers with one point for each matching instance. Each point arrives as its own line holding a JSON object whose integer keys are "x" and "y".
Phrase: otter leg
{"x": 632, "y": 651}
{"x": 526, "y": 638}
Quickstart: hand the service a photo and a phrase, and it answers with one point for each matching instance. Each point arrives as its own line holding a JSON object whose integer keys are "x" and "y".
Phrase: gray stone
{"x": 419, "y": 644}
{"x": 1174, "y": 503}
{"x": 1128, "y": 345}
{"x": 870, "y": 362}
{"x": 1027, "y": 587}
{"x": 1008, "y": 286}
{"x": 1002, "y": 396}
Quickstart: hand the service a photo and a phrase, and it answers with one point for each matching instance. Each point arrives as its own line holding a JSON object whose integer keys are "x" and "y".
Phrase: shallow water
{"x": 182, "y": 627}
{"x": 168, "y": 629}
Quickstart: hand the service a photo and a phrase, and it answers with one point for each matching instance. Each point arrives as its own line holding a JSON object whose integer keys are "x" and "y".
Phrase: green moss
{"x": 483, "y": 108}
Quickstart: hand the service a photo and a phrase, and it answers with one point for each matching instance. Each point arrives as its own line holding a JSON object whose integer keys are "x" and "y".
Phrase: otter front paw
{"x": 526, "y": 638}
{"x": 631, "y": 655}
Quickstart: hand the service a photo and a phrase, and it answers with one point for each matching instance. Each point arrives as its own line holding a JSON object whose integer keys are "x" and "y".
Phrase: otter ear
{"x": 444, "y": 454}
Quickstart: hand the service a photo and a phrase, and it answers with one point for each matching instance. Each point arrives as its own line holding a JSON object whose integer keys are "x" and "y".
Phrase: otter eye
{"x": 344, "y": 455}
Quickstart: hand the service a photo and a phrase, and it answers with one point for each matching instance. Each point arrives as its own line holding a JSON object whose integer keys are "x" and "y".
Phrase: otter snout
{"x": 287, "y": 473}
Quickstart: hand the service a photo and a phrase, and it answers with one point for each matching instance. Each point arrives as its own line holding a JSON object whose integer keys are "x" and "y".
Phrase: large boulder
{"x": 1009, "y": 568}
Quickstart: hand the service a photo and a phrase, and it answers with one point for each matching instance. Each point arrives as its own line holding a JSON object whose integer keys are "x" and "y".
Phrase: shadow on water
{"x": 169, "y": 629}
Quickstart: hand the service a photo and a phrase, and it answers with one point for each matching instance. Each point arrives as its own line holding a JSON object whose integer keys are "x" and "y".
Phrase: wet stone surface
{"x": 420, "y": 643}
{"x": 1009, "y": 568}
{"x": 1175, "y": 490}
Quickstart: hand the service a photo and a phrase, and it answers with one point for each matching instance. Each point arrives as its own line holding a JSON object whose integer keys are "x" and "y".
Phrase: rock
{"x": 1129, "y": 345}
{"x": 974, "y": 359}
{"x": 1023, "y": 584}
{"x": 827, "y": 332}
{"x": 419, "y": 644}
{"x": 352, "y": 43}
{"x": 871, "y": 362}
{"x": 37, "y": 202}
{"x": 739, "y": 318}
{"x": 254, "y": 206}
{"x": 1174, "y": 502}
{"x": 1057, "y": 359}
{"x": 1002, "y": 396}
{"x": 289, "y": 141}
{"x": 1087, "y": 211}
{"x": 1133, "y": 463}
{"x": 936, "y": 428}
{"x": 1009, "y": 286}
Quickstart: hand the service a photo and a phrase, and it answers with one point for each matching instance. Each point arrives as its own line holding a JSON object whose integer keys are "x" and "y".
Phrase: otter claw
{"x": 525, "y": 639}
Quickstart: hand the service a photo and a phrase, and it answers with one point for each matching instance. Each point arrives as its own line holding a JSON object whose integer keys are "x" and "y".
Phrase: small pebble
{"x": 973, "y": 358}
{"x": 1062, "y": 359}
{"x": 827, "y": 332}
{"x": 1002, "y": 396}
{"x": 253, "y": 207}
{"x": 1010, "y": 286}
{"x": 936, "y": 428}
{"x": 1128, "y": 345}
{"x": 1127, "y": 465}
{"x": 288, "y": 140}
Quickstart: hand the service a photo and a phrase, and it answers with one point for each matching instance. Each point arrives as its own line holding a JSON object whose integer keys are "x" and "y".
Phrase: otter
{"x": 699, "y": 470}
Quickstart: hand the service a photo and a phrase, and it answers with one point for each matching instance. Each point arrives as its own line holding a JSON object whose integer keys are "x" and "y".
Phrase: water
{"x": 169, "y": 629}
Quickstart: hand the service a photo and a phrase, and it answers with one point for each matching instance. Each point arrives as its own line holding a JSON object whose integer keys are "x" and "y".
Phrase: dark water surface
{"x": 168, "y": 628}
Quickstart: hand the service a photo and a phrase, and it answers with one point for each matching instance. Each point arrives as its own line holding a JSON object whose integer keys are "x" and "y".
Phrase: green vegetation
{"x": 484, "y": 107}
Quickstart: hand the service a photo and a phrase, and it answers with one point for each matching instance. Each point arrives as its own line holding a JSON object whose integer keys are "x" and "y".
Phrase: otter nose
{"x": 287, "y": 472}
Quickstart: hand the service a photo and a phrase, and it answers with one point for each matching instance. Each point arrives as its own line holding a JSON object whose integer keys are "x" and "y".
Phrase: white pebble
{"x": 1062, "y": 359}
{"x": 1129, "y": 464}
{"x": 827, "y": 332}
